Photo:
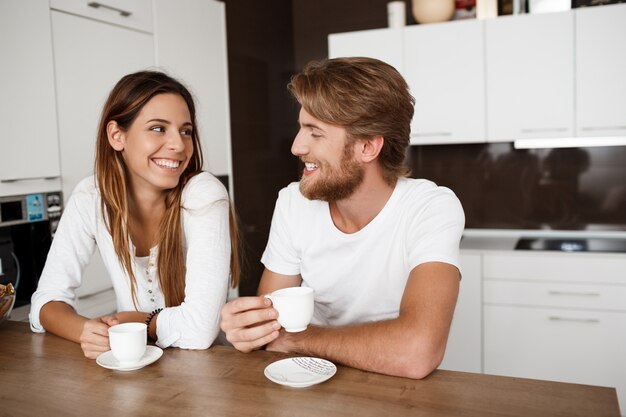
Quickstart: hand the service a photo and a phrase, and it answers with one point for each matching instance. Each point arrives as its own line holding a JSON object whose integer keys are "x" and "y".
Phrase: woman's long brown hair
{"x": 125, "y": 102}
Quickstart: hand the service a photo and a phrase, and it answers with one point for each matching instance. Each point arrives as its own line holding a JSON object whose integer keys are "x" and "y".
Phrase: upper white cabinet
{"x": 551, "y": 75}
{"x": 90, "y": 56}
{"x": 197, "y": 55}
{"x": 29, "y": 155}
{"x": 530, "y": 76}
{"x": 446, "y": 78}
{"x": 134, "y": 14}
{"x": 450, "y": 103}
{"x": 383, "y": 44}
{"x": 95, "y": 47}
{"x": 600, "y": 71}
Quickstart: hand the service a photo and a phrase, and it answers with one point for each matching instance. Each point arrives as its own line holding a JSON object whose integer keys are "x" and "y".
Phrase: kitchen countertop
{"x": 506, "y": 240}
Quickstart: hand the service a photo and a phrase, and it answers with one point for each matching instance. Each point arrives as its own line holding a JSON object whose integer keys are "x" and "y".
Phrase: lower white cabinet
{"x": 556, "y": 316}
{"x": 568, "y": 345}
{"x": 464, "y": 350}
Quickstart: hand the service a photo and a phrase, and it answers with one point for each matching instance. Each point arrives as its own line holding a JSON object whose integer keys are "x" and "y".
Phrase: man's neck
{"x": 355, "y": 212}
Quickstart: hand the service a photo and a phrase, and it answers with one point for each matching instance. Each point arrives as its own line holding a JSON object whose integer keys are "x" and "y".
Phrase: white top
{"x": 192, "y": 325}
{"x": 361, "y": 277}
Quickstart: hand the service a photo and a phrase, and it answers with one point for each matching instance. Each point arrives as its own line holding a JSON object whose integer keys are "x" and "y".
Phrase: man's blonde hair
{"x": 365, "y": 96}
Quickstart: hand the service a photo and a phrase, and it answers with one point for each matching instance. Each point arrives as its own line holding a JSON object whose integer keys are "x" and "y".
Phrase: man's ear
{"x": 369, "y": 149}
{"x": 115, "y": 135}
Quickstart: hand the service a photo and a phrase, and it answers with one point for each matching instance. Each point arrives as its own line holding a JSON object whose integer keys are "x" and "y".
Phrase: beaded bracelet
{"x": 150, "y": 317}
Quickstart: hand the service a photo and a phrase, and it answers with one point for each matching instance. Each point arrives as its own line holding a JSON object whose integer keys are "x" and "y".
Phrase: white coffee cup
{"x": 128, "y": 342}
{"x": 295, "y": 307}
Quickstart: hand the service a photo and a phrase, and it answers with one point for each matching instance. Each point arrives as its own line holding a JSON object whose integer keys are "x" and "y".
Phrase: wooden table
{"x": 43, "y": 375}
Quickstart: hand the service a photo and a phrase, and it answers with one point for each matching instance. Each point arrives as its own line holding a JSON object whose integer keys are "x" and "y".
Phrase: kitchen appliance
{"x": 585, "y": 3}
{"x": 27, "y": 226}
{"x": 572, "y": 245}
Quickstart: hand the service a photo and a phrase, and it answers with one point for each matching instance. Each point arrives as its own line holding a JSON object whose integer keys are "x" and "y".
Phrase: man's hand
{"x": 94, "y": 338}
{"x": 249, "y": 323}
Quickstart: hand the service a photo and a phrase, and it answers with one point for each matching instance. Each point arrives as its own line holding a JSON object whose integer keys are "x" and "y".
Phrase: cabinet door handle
{"x": 97, "y": 5}
{"x": 576, "y": 320}
{"x": 7, "y": 180}
{"x": 575, "y": 294}
{"x": 601, "y": 128}
{"x": 544, "y": 129}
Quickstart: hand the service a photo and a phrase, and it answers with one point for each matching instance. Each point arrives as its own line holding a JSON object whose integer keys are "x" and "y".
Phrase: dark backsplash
{"x": 505, "y": 188}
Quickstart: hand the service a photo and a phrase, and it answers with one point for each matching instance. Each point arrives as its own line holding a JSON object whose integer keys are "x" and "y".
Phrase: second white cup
{"x": 295, "y": 307}
{"x": 128, "y": 342}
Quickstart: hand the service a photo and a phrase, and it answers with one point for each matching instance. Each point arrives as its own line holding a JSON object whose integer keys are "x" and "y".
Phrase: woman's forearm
{"x": 62, "y": 320}
{"x": 140, "y": 317}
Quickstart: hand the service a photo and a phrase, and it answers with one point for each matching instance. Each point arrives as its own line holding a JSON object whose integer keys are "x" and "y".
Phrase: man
{"x": 380, "y": 250}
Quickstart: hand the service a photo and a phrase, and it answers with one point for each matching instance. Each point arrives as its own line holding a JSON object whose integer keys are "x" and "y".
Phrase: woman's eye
{"x": 159, "y": 129}
{"x": 186, "y": 132}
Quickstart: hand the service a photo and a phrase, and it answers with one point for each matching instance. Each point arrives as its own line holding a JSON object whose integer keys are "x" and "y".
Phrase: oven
{"x": 27, "y": 226}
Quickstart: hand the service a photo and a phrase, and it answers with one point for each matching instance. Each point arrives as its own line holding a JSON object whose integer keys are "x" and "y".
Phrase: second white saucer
{"x": 107, "y": 360}
{"x": 300, "y": 372}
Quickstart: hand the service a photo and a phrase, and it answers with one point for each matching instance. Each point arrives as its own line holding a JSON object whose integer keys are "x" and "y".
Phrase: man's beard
{"x": 336, "y": 184}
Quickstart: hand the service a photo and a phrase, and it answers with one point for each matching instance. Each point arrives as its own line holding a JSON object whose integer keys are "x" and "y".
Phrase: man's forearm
{"x": 384, "y": 347}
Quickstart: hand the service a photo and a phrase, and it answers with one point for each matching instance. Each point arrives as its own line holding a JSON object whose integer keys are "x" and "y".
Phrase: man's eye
{"x": 315, "y": 135}
{"x": 159, "y": 129}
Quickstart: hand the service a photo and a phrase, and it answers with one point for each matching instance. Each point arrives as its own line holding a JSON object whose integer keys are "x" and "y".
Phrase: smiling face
{"x": 158, "y": 145}
{"x": 330, "y": 171}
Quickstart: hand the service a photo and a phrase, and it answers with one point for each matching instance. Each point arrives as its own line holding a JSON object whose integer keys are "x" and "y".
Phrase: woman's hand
{"x": 94, "y": 338}
{"x": 249, "y": 322}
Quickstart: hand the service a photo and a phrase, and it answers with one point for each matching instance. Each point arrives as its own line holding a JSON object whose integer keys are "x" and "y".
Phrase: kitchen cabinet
{"x": 446, "y": 77}
{"x": 556, "y": 316}
{"x": 464, "y": 348}
{"x": 530, "y": 76}
{"x": 536, "y": 76}
{"x": 443, "y": 74}
{"x": 600, "y": 69}
{"x": 197, "y": 55}
{"x": 136, "y": 14}
{"x": 29, "y": 156}
{"x": 95, "y": 46}
{"x": 383, "y": 44}
{"x": 90, "y": 56}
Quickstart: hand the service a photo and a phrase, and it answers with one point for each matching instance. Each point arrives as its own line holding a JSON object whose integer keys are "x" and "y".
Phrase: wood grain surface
{"x": 43, "y": 375}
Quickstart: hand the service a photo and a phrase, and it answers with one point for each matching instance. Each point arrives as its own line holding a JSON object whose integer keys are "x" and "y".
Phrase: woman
{"x": 163, "y": 227}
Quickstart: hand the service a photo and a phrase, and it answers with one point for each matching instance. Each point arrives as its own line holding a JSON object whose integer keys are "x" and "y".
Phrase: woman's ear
{"x": 115, "y": 135}
{"x": 370, "y": 148}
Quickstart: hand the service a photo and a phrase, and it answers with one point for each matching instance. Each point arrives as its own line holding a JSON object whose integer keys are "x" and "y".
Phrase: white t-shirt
{"x": 360, "y": 277}
{"x": 192, "y": 325}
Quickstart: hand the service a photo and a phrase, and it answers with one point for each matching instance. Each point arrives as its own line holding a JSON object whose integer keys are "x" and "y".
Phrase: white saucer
{"x": 300, "y": 372}
{"x": 107, "y": 360}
